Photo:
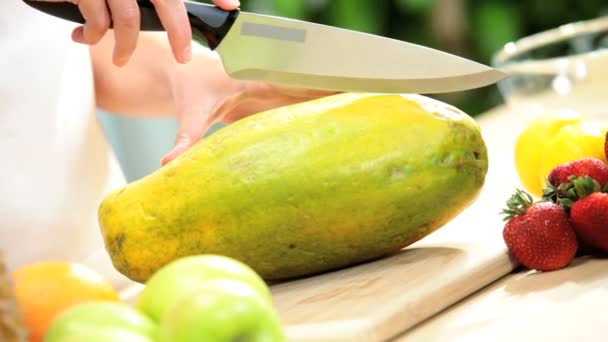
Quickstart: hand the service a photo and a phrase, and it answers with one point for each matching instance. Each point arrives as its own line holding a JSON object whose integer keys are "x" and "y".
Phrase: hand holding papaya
{"x": 236, "y": 100}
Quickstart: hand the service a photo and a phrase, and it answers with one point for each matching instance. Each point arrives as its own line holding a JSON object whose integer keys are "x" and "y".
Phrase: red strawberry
{"x": 589, "y": 217}
{"x": 592, "y": 167}
{"x": 559, "y": 174}
{"x": 539, "y": 234}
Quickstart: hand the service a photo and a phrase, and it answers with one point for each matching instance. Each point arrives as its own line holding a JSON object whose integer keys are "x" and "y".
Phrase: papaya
{"x": 303, "y": 189}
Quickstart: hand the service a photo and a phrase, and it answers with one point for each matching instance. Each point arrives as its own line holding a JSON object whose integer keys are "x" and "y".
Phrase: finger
{"x": 181, "y": 145}
{"x": 191, "y": 127}
{"x": 227, "y": 4}
{"x": 174, "y": 18}
{"x": 97, "y": 17}
{"x": 263, "y": 97}
{"x": 125, "y": 22}
{"x": 191, "y": 119}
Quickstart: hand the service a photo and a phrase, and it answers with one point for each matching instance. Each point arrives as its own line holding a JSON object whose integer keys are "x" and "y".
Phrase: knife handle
{"x": 209, "y": 23}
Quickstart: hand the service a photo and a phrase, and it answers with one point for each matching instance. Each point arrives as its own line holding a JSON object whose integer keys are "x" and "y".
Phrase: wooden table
{"x": 559, "y": 306}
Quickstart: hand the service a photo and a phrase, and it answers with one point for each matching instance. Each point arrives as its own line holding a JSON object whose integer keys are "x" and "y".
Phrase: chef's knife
{"x": 304, "y": 54}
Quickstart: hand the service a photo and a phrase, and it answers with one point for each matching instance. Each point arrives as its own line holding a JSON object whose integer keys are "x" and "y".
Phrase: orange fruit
{"x": 45, "y": 289}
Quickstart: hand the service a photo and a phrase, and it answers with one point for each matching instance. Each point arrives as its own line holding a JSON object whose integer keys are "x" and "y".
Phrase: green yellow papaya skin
{"x": 303, "y": 189}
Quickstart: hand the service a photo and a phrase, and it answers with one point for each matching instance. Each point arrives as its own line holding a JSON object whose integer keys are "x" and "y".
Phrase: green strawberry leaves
{"x": 517, "y": 204}
{"x": 569, "y": 192}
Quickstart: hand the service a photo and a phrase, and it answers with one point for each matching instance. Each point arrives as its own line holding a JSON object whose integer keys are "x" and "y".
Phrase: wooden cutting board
{"x": 378, "y": 300}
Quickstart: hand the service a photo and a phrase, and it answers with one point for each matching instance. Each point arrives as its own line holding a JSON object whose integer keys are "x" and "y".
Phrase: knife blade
{"x": 259, "y": 47}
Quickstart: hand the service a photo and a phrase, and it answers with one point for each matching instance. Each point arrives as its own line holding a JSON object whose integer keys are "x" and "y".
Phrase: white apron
{"x": 56, "y": 164}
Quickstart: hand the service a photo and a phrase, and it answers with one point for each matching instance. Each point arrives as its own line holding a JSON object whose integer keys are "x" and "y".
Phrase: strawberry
{"x": 589, "y": 216}
{"x": 560, "y": 187}
{"x": 538, "y": 234}
{"x": 559, "y": 174}
{"x": 589, "y": 166}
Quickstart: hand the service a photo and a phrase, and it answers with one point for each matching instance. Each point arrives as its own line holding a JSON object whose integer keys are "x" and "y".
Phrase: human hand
{"x": 232, "y": 100}
{"x": 125, "y": 18}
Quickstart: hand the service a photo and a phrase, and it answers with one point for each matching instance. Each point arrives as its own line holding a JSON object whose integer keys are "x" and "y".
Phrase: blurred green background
{"x": 474, "y": 29}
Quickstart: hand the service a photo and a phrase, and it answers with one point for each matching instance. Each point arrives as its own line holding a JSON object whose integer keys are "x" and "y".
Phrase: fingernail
{"x": 122, "y": 61}
{"x": 181, "y": 145}
{"x": 167, "y": 158}
{"x": 236, "y": 3}
{"x": 77, "y": 35}
{"x": 164, "y": 160}
{"x": 187, "y": 54}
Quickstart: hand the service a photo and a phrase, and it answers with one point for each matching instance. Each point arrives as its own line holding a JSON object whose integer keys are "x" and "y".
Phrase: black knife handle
{"x": 209, "y": 23}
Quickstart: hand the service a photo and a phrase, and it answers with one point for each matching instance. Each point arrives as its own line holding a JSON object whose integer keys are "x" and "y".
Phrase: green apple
{"x": 187, "y": 275}
{"x": 99, "y": 321}
{"x": 221, "y": 311}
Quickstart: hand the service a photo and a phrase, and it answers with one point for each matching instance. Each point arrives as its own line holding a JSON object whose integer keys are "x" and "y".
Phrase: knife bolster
{"x": 210, "y": 23}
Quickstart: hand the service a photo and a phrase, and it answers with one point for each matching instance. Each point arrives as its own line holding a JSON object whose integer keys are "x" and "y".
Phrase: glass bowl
{"x": 562, "y": 69}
